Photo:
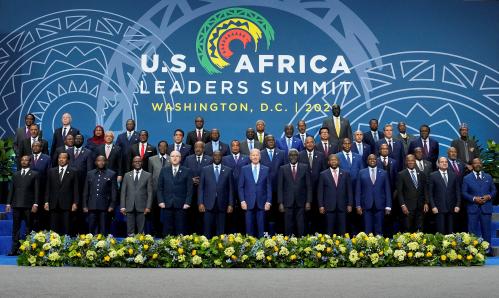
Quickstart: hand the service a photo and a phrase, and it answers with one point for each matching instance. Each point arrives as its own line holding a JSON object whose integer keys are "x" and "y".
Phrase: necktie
{"x": 217, "y": 173}
{"x": 142, "y": 150}
{"x": 32, "y": 141}
{"x": 27, "y": 132}
{"x": 385, "y": 162}
{"x": 373, "y": 175}
{"x": 456, "y": 168}
{"x": 35, "y": 159}
{"x": 445, "y": 178}
{"x": 23, "y": 172}
{"x": 61, "y": 174}
{"x": 303, "y": 139}
{"x": 251, "y": 145}
{"x": 255, "y": 174}
{"x": 466, "y": 152}
{"x": 136, "y": 179}
{"x": 375, "y": 136}
{"x": 425, "y": 147}
{"x": 236, "y": 158}
{"x": 162, "y": 162}
{"x": 390, "y": 145}
{"x": 326, "y": 149}
{"x": 199, "y": 135}
{"x": 178, "y": 147}
{"x": 414, "y": 179}
{"x": 199, "y": 159}
{"x": 129, "y": 135}
{"x": 174, "y": 172}
{"x": 108, "y": 151}
{"x": 310, "y": 159}
{"x": 271, "y": 154}
{"x": 289, "y": 143}
{"x": 64, "y": 132}
{"x": 421, "y": 165}
{"x": 77, "y": 153}
{"x": 260, "y": 137}
{"x": 349, "y": 160}
{"x": 478, "y": 176}
{"x": 360, "y": 149}
{"x": 293, "y": 171}
{"x": 335, "y": 177}
{"x": 337, "y": 126}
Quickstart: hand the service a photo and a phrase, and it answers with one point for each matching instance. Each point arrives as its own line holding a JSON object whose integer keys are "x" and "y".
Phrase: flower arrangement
{"x": 236, "y": 250}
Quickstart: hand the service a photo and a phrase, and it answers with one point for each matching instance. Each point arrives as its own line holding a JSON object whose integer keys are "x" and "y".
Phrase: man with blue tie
{"x": 255, "y": 194}
{"x": 479, "y": 190}
{"x": 126, "y": 139}
{"x": 215, "y": 144}
{"x": 373, "y": 135}
{"x": 349, "y": 161}
{"x": 302, "y": 131}
{"x": 360, "y": 147}
{"x": 445, "y": 196}
{"x": 373, "y": 197}
{"x": 288, "y": 141}
{"x": 215, "y": 195}
{"x": 395, "y": 147}
{"x": 335, "y": 196}
{"x": 61, "y": 133}
{"x": 429, "y": 145}
{"x": 459, "y": 169}
{"x": 250, "y": 142}
{"x": 175, "y": 195}
{"x": 294, "y": 194}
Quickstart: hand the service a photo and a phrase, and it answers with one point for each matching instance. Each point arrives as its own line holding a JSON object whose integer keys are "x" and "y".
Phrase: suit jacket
{"x": 460, "y": 170}
{"x": 192, "y": 138}
{"x": 369, "y": 139}
{"x": 352, "y": 169}
{"x": 149, "y": 151}
{"x": 185, "y": 150}
{"x": 345, "y": 130}
{"x": 25, "y": 147}
{"x": 277, "y": 161}
{"x": 55, "y": 154}
{"x": 25, "y": 190}
{"x": 291, "y": 191}
{"x": 298, "y": 135}
{"x": 472, "y": 187}
{"x": 154, "y": 167}
{"x": 42, "y": 165}
{"x": 100, "y": 190}
{"x": 58, "y": 140}
{"x": 195, "y": 168}
{"x": 332, "y": 149}
{"x": 84, "y": 162}
{"x": 263, "y": 141}
{"x": 62, "y": 194}
{"x": 124, "y": 143}
{"x": 427, "y": 168}
{"x": 115, "y": 159}
{"x": 236, "y": 167}
{"x": 318, "y": 165}
{"x": 391, "y": 170}
{"x": 433, "y": 149}
{"x": 335, "y": 197}
{"x": 445, "y": 198}
{"x": 255, "y": 194}
{"x": 473, "y": 151}
{"x": 224, "y": 148}
{"x": 376, "y": 196}
{"x": 397, "y": 153}
{"x": 136, "y": 196}
{"x": 366, "y": 150}
{"x": 410, "y": 196}
{"x": 296, "y": 143}
{"x": 175, "y": 191}
{"x": 244, "y": 147}
{"x": 21, "y": 135}
{"x": 405, "y": 142}
{"x": 211, "y": 191}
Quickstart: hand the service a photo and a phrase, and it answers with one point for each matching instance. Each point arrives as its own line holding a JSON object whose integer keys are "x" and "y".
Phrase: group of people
{"x": 373, "y": 181}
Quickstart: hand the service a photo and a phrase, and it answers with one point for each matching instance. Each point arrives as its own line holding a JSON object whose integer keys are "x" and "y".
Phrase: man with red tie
{"x": 198, "y": 134}
{"x": 142, "y": 149}
{"x": 324, "y": 145}
{"x": 429, "y": 145}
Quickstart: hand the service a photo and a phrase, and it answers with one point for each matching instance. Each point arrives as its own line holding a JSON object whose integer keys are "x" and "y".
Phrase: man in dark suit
{"x": 395, "y": 148}
{"x": 403, "y": 136}
{"x": 198, "y": 134}
{"x": 177, "y": 145}
{"x": 22, "y": 200}
{"x": 373, "y": 197}
{"x": 288, "y": 141}
{"x": 479, "y": 191}
{"x": 113, "y": 154}
{"x": 349, "y": 161}
{"x": 339, "y": 127}
{"x": 250, "y": 142}
{"x": 260, "y": 132}
{"x": 68, "y": 144}
{"x": 390, "y": 166}
{"x": 302, "y": 132}
{"x": 61, "y": 195}
{"x": 456, "y": 165}
{"x": 316, "y": 164}
{"x": 136, "y": 197}
{"x": 195, "y": 163}
{"x": 422, "y": 164}
{"x": 361, "y": 148}
{"x": 143, "y": 149}
{"x": 23, "y": 132}
{"x": 61, "y": 133}
{"x": 215, "y": 195}
{"x": 325, "y": 146}
{"x": 255, "y": 193}
{"x": 99, "y": 196}
{"x": 175, "y": 195}
{"x": 27, "y": 143}
{"x": 429, "y": 145}
{"x": 412, "y": 195}
{"x": 445, "y": 196}
{"x": 335, "y": 196}
{"x": 40, "y": 163}
{"x": 215, "y": 144}
{"x": 373, "y": 135}
{"x": 126, "y": 139}
{"x": 294, "y": 194}
{"x": 467, "y": 149}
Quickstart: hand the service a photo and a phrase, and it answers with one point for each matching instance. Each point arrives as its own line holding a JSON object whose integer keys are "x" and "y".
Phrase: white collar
{"x": 442, "y": 172}
{"x": 64, "y": 168}
{"x": 199, "y": 157}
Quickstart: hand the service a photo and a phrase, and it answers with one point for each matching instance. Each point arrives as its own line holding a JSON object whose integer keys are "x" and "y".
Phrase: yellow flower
{"x": 409, "y": 254}
{"x": 354, "y": 241}
{"x": 469, "y": 257}
{"x": 454, "y": 243}
{"x": 347, "y": 236}
{"x": 99, "y": 236}
{"x": 319, "y": 255}
{"x": 130, "y": 251}
{"x": 113, "y": 241}
{"x": 180, "y": 251}
{"x": 459, "y": 257}
{"x": 428, "y": 254}
{"x": 399, "y": 245}
{"x": 276, "y": 249}
{"x": 286, "y": 238}
{"x": 146, "y": 247}
{"x": 154, "y": 256}
{"x": 141, "y": 238}
{"x": 107, "y": 258}
{"x": 33, "y": 246}
{"x": 82, "y": 237}
{"x": 475, "y": 242}
{"x": 269, "y": 258}
{"x": 337, "y": 242}
{"x": 380, "y": 253}
{"x": 41, "y": 253}
{"x": 193, "y": 253}
{"x": 78, "y": 255}
{"x": 233, "y": 257}
{"x": 292, "y": 257}
{"x": 329, "y": 249}
{"x": 361, "y": 254}
{"x": 443, "y": 257}
{"x": 22, "y": 247}
{"x": 220, "y": 246}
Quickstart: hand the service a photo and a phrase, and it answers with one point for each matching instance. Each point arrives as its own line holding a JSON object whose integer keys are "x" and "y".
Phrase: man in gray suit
{"x": 339, "y": 127}
{"x": 250, "y": 142}
{"x": 467, "y": 150}
{"x": 403, "y": 136}
{"x": 156, "y": 163}
{"x": 422, "y": 164}
{"x": 136, "y": 197}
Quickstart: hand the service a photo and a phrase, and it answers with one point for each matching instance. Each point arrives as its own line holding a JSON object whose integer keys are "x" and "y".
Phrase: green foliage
{"x": 490, "y": 159}
{"x": 6, "y": 159}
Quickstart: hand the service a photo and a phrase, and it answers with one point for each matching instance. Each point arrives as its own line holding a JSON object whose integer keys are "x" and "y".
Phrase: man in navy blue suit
{"x": 395, "y": 147}
{"x": 175, "y": 195}
{"x": 215, "y": 144}
{"x": 479, "y": 190}
{"x": 215, "y": 195}
{"x": 349, "y": 161}
{"x": 335, "y": 196}
{"x": 324, "y": 145}
{"x": 302, "y": 131}
{"x": 373, "y": 135}
{"x": 288, "y": 141}
{"x": 429, "y": 145}
{"x": 294, "y": 194}
{"x": 255, "y": 193}
{"x": 61, "y": 133}
{"x": 373, "y": 196}
{"x": 445, "y": 196}
{"x": 459, "y": 169}
{"x": 126, "y": 139}
{"x": 40, "y": 163}
{"x": 178, "y": 145}
{"x": 388, "y": 164}
{"x": 361, "y": 148}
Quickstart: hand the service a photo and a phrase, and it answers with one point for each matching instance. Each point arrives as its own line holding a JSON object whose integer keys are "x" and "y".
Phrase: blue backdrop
{"x": 433, "y": 62}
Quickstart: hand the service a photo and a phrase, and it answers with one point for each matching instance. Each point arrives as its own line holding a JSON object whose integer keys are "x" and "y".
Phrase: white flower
{"x": 485, "y": 245}
{"x": 139, "y": 259}
{"x": 196, "y": 260}
{"x": 54, "y": 256}
{"x": 353, "y": 256}
{"x": 269, "y": 243}
{"x": 100, "y": 244}
{"x": 374, "y": 258}
{"x": 413, "y": 245}
{"x": 320, "y": 247}
{"x": 112, "y": 254}
{"x": 81, "y": 243}
{"x": 55, "y": 242}
{"x": 399, "y": 255}
{"x": 91, "y": 255}
{"x": 284, "y": 251}
{"x": 229, "y": 251}
{"x": 46, "y": 246}
{"x": 40, "y": 237}
{"x": 260, "y": 255}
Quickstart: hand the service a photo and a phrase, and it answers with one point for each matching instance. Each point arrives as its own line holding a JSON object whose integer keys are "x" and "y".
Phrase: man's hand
{"x": 456, "y": 209}
{"x": 322, "y": 210}
{"x": 349, "y": 209}
{"x": 186, "y": 206}
{"x": 162, "y": 205}
{"x": 478, "y": 200}
{"x": 426, "y": 208}
{"x": 434, "y": 210}
{"x": 405, "y": 210}
{"x": 74, "y": 207}
{"x": 359, "y": 210}
{"x": 34, "y": 208}
{"x": 244, "y": 206}
{"x": 281, "y": 207}
{"x": 46, "y": 206}
{"x": 146, "y": 211}
{"x": 195, "y": 181}
{"x": 7, "y": 208}
{"x": 387, "y": 211}
{"x": 123, "y": 211}
{"x": 230, "y": 209}
{"x": 308, "y": 206}
{"x": 110, "y": 209}
{"x": 201, "y": 208}
{"x": 267, "y": 206}
{"x": 486, "y": 198}
{"x": 85, "y": 210}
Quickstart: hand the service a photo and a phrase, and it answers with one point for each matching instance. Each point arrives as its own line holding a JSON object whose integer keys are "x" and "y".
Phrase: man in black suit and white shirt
{"x": 61, "y": 132}
{"x": 113, "y": 154}
{"x": 143, "y": 149}
{"x": 215, "y": 144}
{"x": 25, "y": 146}
{"x": 339, "y": 127}
{"x": 373, "y": 135}
{"x": 23, "y": 132}
{"x": 198, "y": 134}
{"x": 250, "y": 142}
{"x": 179, "y": 146}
